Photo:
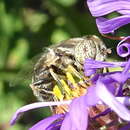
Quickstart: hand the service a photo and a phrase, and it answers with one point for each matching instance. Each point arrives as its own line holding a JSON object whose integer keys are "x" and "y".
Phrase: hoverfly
{"x": 58, "y": 74}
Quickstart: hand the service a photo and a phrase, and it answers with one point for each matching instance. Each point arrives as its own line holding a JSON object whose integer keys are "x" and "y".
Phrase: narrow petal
{"x": 34, "y": 106}
{"x": 43, "y": 124}
{"x": 56, "y": 125}
{"x": 67, "y": 124}
{"x": 111, "y": 101}
{"x": 124, "y": 50}
{"x": 91, "y": 65}
{"x": 78, "y": 113}
{"x": 89, "y": 72}
{"x": 110, "y": 25}
{"x": 91, "y": 97}
{"x": 124, "y": 12}
{"x": 103, "y": 7}
{"x": 117, "y": 77}
{"x": 126, "y": 69}
{"x": 123, "y": 44}
{"x": 110, "y": 84}
{"x": 122, "y": 77}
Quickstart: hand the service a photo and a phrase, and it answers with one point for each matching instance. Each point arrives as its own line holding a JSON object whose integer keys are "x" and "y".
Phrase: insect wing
{"x": 24, "y": 76}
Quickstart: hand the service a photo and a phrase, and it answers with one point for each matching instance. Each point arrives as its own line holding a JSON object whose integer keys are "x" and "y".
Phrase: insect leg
{"x": 39, "y": 87}
{"x": 62, "y": 86}
{"x": 82, "y": 78}
{"x": 56, "y": 78}
{"x": 75, "y": 72}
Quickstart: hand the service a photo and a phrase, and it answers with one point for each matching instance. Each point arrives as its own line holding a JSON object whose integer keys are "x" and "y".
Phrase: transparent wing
{"x": 24, "y": 76}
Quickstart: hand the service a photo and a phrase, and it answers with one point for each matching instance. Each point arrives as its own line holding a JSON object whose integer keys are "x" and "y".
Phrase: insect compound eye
{"x": 90, "y": 47}
{"x": 85, "y": 49}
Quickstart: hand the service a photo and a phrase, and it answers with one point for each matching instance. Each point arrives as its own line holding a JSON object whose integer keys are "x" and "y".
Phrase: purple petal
{"x": 89, "y": 72}
{"x": 108, "y": 26}
{"x": 103, "y": 7}
{"x": 95, "y": 78}
{"x": 43, "y": 124}
{"x": 91, "y": 65}
{"x": 124, "y": 100}
{"x": 91, "y": 97}
{"x": 100, "y": 8}
{"x": 123, "y": 44}
{"x": 123, "y": 50}
{"x": 127, "y": 68}
{"x": 67, "y": 124}
{"x": 118, "y": 77}
{"x": 111, "y": 84}
{"x": 56, "y": 125}
{"x": 111, "y": 101}
{"x": 34, "y": 106}
{"x": 124, "y": 12}
{"x": 78, "y": 113}
{"x": 122, "y": 77}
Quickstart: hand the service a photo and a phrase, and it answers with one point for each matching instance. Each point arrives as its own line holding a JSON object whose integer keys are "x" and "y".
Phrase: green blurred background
{"x": 26, "y": 27}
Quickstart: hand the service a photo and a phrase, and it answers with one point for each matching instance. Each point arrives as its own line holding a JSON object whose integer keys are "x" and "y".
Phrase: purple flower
{"x": 105, "y": 90}
{"x": 101, "y": 8}
{"x": 77, "y": 117}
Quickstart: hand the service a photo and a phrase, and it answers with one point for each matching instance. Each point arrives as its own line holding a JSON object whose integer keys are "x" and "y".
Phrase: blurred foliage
{"x": 27, "y": 26}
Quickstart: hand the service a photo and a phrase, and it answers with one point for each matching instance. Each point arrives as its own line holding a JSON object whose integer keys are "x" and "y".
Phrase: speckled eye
{"x": 90, "y": 47}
